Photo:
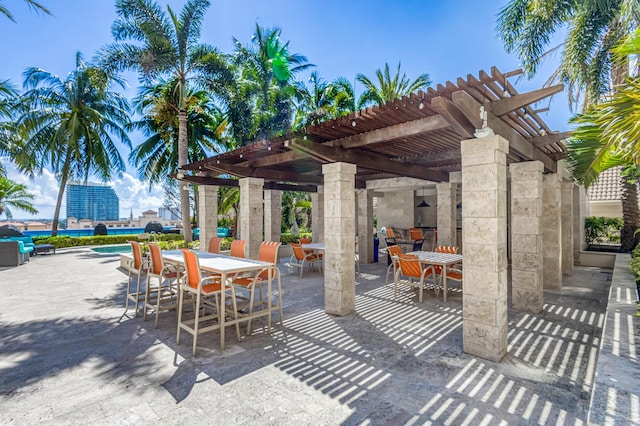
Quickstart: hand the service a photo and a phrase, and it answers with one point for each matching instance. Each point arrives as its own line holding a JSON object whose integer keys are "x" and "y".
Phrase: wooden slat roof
{"x": 416, "y": 136}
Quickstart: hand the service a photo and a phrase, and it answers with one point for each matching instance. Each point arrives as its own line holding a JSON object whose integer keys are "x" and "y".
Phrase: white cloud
{"x": 133, "y": 194}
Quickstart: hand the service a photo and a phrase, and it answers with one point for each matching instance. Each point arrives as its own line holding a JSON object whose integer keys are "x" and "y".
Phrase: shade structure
{"x": 10, "y": 231}
{"x": 154, "y": 226}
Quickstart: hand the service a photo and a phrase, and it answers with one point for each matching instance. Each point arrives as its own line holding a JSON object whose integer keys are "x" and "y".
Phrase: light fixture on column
{"x": 423, "y": 203}
{"x": 421, "y": 104}
{"x": 353, "y": 122}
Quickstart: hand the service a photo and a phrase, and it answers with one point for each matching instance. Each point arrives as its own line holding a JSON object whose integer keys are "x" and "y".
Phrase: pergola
{"x": 474, "y": 132}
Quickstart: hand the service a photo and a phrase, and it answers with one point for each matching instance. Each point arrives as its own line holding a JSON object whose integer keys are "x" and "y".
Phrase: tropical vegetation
{"x": 34, "y": 5}
{"x": 15, "y": 195}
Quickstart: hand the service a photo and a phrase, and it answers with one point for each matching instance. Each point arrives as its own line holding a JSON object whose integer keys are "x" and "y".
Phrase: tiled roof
{"x": 607, "y": 187}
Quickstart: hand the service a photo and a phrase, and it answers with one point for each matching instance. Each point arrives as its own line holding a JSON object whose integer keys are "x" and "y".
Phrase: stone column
{"x": 551, "y": 235}
{"x": 526, "y": 236}
{"x": 339, "y": 238}
{"x": 208, "y": 220}
{"x": 317, "y": 214}
{"x": 365, "y": 225}
{"x": 566, "y": 213}
{"x": 580, "y": 211}
{"x": 484, "y": 235}
{"x": 447, "y": 229}
{"x": 272, "y": 215}
{"x": 251, "y": 214}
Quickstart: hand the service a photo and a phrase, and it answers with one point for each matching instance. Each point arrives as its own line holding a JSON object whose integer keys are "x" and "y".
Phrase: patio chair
{"x": 238, "y": 248}
{"x": 390, "y": 239}
{"x": 136, "y": 267}
{"x": 268, "y": 253}
{"x": 214, "y": 244}
{"x": 452, "y": 272}
{"x": 205, "y": 293}
{"x": 410, "y": 271}
{"x": 416, "y": 234}
{"x": 164, "y": 296}
{"x": 299, "y": 259}
{"x": 392, "y": 252}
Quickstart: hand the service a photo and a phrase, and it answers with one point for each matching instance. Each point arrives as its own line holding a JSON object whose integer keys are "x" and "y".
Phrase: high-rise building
{"x": 92, "y": 201}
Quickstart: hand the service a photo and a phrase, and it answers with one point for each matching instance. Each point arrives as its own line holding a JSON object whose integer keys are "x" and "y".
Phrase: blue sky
{"x": 446, "y": 39}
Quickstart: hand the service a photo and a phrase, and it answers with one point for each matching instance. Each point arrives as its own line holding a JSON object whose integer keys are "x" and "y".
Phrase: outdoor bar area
{"x": 470, "y": 163}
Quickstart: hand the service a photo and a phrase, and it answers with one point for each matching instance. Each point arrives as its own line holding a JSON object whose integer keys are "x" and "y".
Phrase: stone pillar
{"x": 580, "y": 212}
{"x": 317, "y": 214}
{"x": 272, "y": 215}
{"x": 551, "y": 235}
{"x": 365, "y": 225}
{"x": 447, "y": 229}
{"x": 526, "y": 236}
{"x": 566, "y": 213}
{"x": 251, "y": 214}
{"x": 339, "y": 238}
{"x": 484, "y": 235}
{"x": 208, "y": 214}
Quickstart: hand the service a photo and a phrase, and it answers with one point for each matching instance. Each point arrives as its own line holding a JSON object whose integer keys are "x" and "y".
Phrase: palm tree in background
{"x": 8, "y": 97}
{"x": 14, "y": 194}
{"x": 33, "y": 5}
{"x": 69, "y": 125}
{"x": 165, "y": 45}
{"x": 318, "y": 102}
{"x": 388, "y": 87}
{"x": 587, "y": 66}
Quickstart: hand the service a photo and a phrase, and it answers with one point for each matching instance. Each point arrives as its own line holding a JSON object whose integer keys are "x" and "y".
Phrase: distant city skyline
{"x": 444, "y": 39}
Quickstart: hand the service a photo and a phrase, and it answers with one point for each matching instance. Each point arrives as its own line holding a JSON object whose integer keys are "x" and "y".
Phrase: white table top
{"x": 219, "y": 263}
{"x": 437, "y": 258}
{"x": 313, "y": 246}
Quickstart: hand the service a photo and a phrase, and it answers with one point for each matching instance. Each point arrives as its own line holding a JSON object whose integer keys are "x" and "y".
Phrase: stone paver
{"x": 66, "y": 359}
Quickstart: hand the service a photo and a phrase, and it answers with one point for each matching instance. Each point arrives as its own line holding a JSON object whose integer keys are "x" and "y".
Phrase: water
{"x": 88, "y": 232}
{"x": 122, "y": 248}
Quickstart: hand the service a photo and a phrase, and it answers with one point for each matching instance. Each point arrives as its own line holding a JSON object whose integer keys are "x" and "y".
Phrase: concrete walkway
{"x": 65, "y": 358}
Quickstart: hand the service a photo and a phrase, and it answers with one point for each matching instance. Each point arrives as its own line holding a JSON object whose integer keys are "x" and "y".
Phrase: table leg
{"x": 269, "y": 288}
{"x": 444, "y": 281}
{"x": 223, "y": 313}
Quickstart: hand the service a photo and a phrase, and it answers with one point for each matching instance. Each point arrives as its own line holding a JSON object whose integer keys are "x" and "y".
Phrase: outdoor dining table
{"x": 313, "y": 246}
{"x": 440, "y": 259}
{"x": 227, "y": 266}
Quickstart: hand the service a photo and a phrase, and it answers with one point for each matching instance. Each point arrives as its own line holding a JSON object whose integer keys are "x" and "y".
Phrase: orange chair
{"x": 452, "y": 272}
{"x": 268, "y": 253}
{"x": 409, "y": 270}
{"x": 214, "y": 244}
{"x": 299, "y": 259}
{"x": 137, "y": 267}
{"x": 164, "y": 296}
{"x": 415, "y": 234}
{"x": 238, "y": 248}
{"x": 392, "y": 252}
{"x": 206, "y": 294}
{"x": 304, "y": 240}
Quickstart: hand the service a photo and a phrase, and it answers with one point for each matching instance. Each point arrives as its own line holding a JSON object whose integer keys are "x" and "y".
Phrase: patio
{"x": 65, "y": 358}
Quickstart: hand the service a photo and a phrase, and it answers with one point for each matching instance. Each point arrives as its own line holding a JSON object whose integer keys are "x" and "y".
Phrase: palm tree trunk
{"x": 64, "y": 176}
{"x": 183, "y": 156}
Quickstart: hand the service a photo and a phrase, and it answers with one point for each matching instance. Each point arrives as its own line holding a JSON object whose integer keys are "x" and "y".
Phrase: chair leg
{"x": 180, "y": 305}
{"x": 279, "y": 296}
{"x": 196, "y": 324}
{"x": 147, "y": 297}
{"x": 251, "y": 296}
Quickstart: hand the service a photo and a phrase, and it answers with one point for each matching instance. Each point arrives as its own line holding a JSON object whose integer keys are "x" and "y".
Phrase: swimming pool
{"x": 121, "y": 248}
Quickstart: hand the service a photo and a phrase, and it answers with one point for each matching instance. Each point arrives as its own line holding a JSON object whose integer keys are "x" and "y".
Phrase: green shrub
{"x": 634, "y": 264}
{"x": 600, "y": 230}
{"x": 63, "y": 241}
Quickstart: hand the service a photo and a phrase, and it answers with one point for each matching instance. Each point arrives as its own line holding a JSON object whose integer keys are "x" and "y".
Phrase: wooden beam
{"x": 432, "y": 159}
{"x": 517, "y": 144}
{"x": 205, "y": 180}
{"x": 454, "y": 116}
{"x": 368, "y": 160}
{"x": 403, "y": 130}
{"x": 275, "y": 159}
{"x": 549, "y": 139}
{"x": 512, "y": 103}
{"x": 267, "y": 174}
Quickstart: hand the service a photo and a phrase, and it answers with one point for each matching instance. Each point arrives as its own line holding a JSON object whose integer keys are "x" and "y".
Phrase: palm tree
{"x": 344, "y": 96}
{"x": 15, "y": 195}
{"x": 318, "y": 102}
{"x": 8, "y": 96}
{"x": 266, "y": 73}
{"x": 587, "y": 64}
{"x": 159, "y": 44}
{"x": 34, "y": 5}
{"x": 70, "y": 123}
{"x": 388, "y": 87}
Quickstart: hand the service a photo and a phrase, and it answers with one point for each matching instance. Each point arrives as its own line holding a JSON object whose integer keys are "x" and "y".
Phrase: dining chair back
{"x": 214, "y": 244}
{"x": 301, "y": 257}
{"x": 390, "y": 233}
{"x": 392, "y": 253}
{"x": 192, "y": 268}
{"x": 136, "y": 267}
{"x": 164, "y": 295}
{"x": 410, "y": 271}
{"x": 305, "y": 240}
{"x": 415, "y": 234}
{"x": 238, "y": 248}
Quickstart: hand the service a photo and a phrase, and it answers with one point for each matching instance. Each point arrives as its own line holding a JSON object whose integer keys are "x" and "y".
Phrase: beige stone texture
{"x": 397, "y": 209}
{"x": 527, "y": 300}
{"x": 272, "y": 215}
{"x": 566, "y": 213}
{"x": 580, "y": 207}
{"x": 527, "y": 243}
{"x": 485, "y": 243}
{"x": 527, "y": 207}
{"x": 526, "y": 261}
{"x": 530, "y": 279}
{"x": 208, "y": 214}
{"x": 364, "y": 198}
{"x": 552, "y": 231}
{"x": 317, "y": 214}
{"x": 340, "y": 226}
{"x": 251, "y": 209}
{"x": 447, "y": 229}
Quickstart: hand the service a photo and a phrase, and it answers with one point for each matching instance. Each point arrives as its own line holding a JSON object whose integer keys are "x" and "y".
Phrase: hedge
{"x": 64, "y": 241}
{"x": 602, "y": 229}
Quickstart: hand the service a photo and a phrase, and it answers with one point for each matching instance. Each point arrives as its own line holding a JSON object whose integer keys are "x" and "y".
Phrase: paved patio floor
{"x": 66, "y": 359}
